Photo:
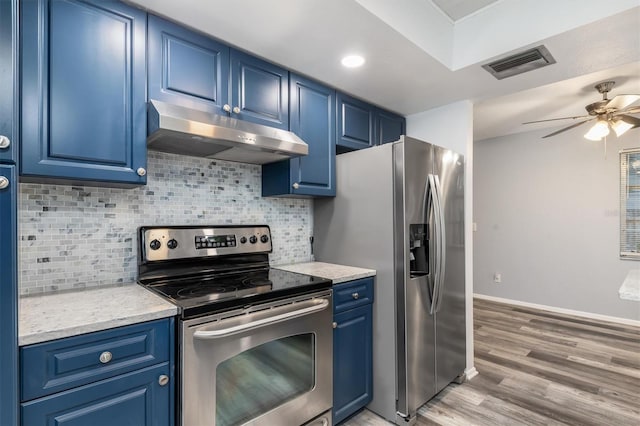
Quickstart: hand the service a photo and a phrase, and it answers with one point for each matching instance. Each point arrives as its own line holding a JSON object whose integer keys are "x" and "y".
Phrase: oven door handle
{"x": 224, "y": 332}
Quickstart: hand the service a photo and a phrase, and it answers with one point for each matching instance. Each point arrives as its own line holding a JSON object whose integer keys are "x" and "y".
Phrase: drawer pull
{"x": 335, "y": 324}
{"x": 105, "y": 357}
{"x": 163, "y": 380}
{"x": 355, "y": 295}
{"x": 5, "y": 142}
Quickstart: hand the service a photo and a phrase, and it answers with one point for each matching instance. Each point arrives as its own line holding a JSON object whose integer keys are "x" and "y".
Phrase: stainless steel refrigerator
{"x": 399, "y": 209}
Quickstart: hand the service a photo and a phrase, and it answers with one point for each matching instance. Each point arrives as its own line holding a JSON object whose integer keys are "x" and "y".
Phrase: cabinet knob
{"x": 4, "y": 182}
{"x": 335, "y": 324}
{"x": 105, "y": 357}
{"x": 355, "y": 295}
{"x": 141, "y": 171}
{"x": 236, "y": 110}
{"x": 226, "y": 108}
{"x": 4, "y": 142}
{"x": 163, "y": 380}
{"x": 296, "y": 185}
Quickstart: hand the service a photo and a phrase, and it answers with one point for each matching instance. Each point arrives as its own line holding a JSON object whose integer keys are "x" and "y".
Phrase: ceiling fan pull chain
{"x": 605, "y": 147}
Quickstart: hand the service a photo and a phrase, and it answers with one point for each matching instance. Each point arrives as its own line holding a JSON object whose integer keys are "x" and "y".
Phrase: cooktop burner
{"x": 206, "y": 269}
{"x": 195, "y": 295}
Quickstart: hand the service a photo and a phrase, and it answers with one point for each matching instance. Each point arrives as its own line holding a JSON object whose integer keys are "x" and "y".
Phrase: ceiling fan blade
{"x": 632, "y": 110}
{"x": 621, "y": 101}
{"x": 568, "y": 128}
{"x": 555, "y": 119}
{"x": 631, "y": 120}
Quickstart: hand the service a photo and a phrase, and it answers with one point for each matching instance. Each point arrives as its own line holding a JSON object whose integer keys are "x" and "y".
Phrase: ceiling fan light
{"x": 620, "y": 126}
{"x": 598, "y": 131}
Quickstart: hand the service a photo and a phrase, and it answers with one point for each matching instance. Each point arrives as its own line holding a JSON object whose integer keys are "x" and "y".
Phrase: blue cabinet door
{"x": 352, "y": 362}
{"x": 8, "y": 86}
{"x": 389, "y": 126}
{"x": 8, "y": 297}
{"x": 135, "y": 398}
{"x": 313, "y": 118}
{"x": 355, "y": 124}
{"x": 186, "y": 68}
{"x": 83, "y": 92}
{"x": 259, "y": 91}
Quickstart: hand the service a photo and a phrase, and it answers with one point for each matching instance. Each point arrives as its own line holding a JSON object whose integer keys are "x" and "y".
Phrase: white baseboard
{"x": 589, "y": 315}
{"x": 470, "y": 373}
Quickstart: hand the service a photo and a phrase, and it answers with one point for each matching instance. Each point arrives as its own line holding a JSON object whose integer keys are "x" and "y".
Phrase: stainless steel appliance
{"x": 255, "y": 343}
{"x": 399, "y": 210}
{"x": 180, "y": 130}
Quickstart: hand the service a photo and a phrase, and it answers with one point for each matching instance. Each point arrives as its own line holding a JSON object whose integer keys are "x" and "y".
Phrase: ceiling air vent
{"x": 528, "y": 60}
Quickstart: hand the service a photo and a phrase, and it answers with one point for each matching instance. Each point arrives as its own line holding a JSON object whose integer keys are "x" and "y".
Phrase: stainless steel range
{"x": 255, "y": 343}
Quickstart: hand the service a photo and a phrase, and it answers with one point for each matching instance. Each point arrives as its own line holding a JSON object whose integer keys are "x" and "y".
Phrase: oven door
{"x": 269, "y": 364}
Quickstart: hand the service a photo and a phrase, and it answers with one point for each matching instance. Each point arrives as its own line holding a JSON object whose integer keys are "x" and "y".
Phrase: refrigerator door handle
{"x": 441, "y": 252}
{"x": 432, "y": 205}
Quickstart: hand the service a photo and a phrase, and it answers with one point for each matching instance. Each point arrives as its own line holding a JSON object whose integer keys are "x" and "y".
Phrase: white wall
{"x": 547, "y": 214}
{"x": 451, "y": 126}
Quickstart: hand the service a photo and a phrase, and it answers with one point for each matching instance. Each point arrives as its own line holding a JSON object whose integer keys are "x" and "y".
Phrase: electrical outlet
{"x": 497, "y": 278}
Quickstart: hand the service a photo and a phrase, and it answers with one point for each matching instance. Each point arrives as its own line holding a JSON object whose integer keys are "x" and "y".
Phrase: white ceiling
{"x": 418, "y": 59}
{"x": 458, "y": 9}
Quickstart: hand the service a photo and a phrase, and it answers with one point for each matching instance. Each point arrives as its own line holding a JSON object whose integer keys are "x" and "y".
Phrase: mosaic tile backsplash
{"x": 76, "y": 237}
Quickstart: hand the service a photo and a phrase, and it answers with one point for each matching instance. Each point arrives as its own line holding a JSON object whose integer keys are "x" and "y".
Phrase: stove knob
{"x": 264, "y": 239}
{"x": 253, "y": 239}
{"x": 155, "y": 244}
{"x": 172, "y": 244}
{"x": 243, "y": 240}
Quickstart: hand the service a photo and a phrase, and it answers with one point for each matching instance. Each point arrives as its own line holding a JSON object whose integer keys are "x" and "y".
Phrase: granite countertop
{"x": 630, "y": 289}
{"x": 336, "y": 273}
{"x": 54, "y": 316}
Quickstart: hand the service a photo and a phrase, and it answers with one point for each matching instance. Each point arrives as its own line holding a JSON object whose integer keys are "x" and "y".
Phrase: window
{"x": 630, "y": 204}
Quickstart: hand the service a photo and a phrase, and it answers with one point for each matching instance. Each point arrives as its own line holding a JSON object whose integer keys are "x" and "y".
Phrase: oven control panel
{"x": 166, "y": 243}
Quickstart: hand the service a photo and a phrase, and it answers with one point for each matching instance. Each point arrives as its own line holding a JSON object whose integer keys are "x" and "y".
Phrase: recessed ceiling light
{"x": 353, "y": 61}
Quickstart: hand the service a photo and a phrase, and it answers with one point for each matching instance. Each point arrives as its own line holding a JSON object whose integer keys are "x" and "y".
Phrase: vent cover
{"x": 528, "y": 60}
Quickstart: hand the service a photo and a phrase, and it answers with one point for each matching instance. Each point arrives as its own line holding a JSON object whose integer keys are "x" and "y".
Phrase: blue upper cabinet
{"x": 355, "y": 124}
{"x": 190, "y": 69}
{"x": 313, "y": 118}
{"x": 83, "y": 92}
{"x": 389, "y": 126}
{"x": 259, "y": 91}
{"x": 186, "y": 68}
{"x": 8, "y": 87}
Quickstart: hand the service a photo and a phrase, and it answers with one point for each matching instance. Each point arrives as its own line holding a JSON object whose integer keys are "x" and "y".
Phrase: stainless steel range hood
{"x": 187, "y": 131}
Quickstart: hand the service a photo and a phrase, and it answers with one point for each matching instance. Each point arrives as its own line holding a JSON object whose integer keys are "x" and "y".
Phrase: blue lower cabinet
{"x": 352, "y": 348}
{"x": 121, "y": 376}
{"x": 136, "y": 398}
{"x": 8, "y": 296}
{"x": 313, "y": 118}
{"x": 83, "y": 77}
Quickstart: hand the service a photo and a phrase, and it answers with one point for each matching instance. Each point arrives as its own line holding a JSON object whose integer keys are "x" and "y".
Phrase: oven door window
{"x": 261, "y": 378}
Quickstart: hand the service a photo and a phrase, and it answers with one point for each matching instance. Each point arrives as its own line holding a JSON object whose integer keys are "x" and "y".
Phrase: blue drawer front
{"x": 59, "y": 365}
{"x": 352, "y": 294}
{"x": 131, "y": 399}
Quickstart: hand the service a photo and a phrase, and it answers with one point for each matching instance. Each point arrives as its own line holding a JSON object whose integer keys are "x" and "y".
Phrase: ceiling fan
{"x": 608, "y": 113}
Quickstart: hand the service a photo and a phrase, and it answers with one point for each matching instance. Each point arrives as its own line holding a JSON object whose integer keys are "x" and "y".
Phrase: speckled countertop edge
{"x": 336, "y": 273}
{"x": 55, "y": 316}
{"x": 630, "y": 288}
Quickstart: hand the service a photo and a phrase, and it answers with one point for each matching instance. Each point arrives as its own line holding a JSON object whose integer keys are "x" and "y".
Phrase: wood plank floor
{"x": 540, "y": 368}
